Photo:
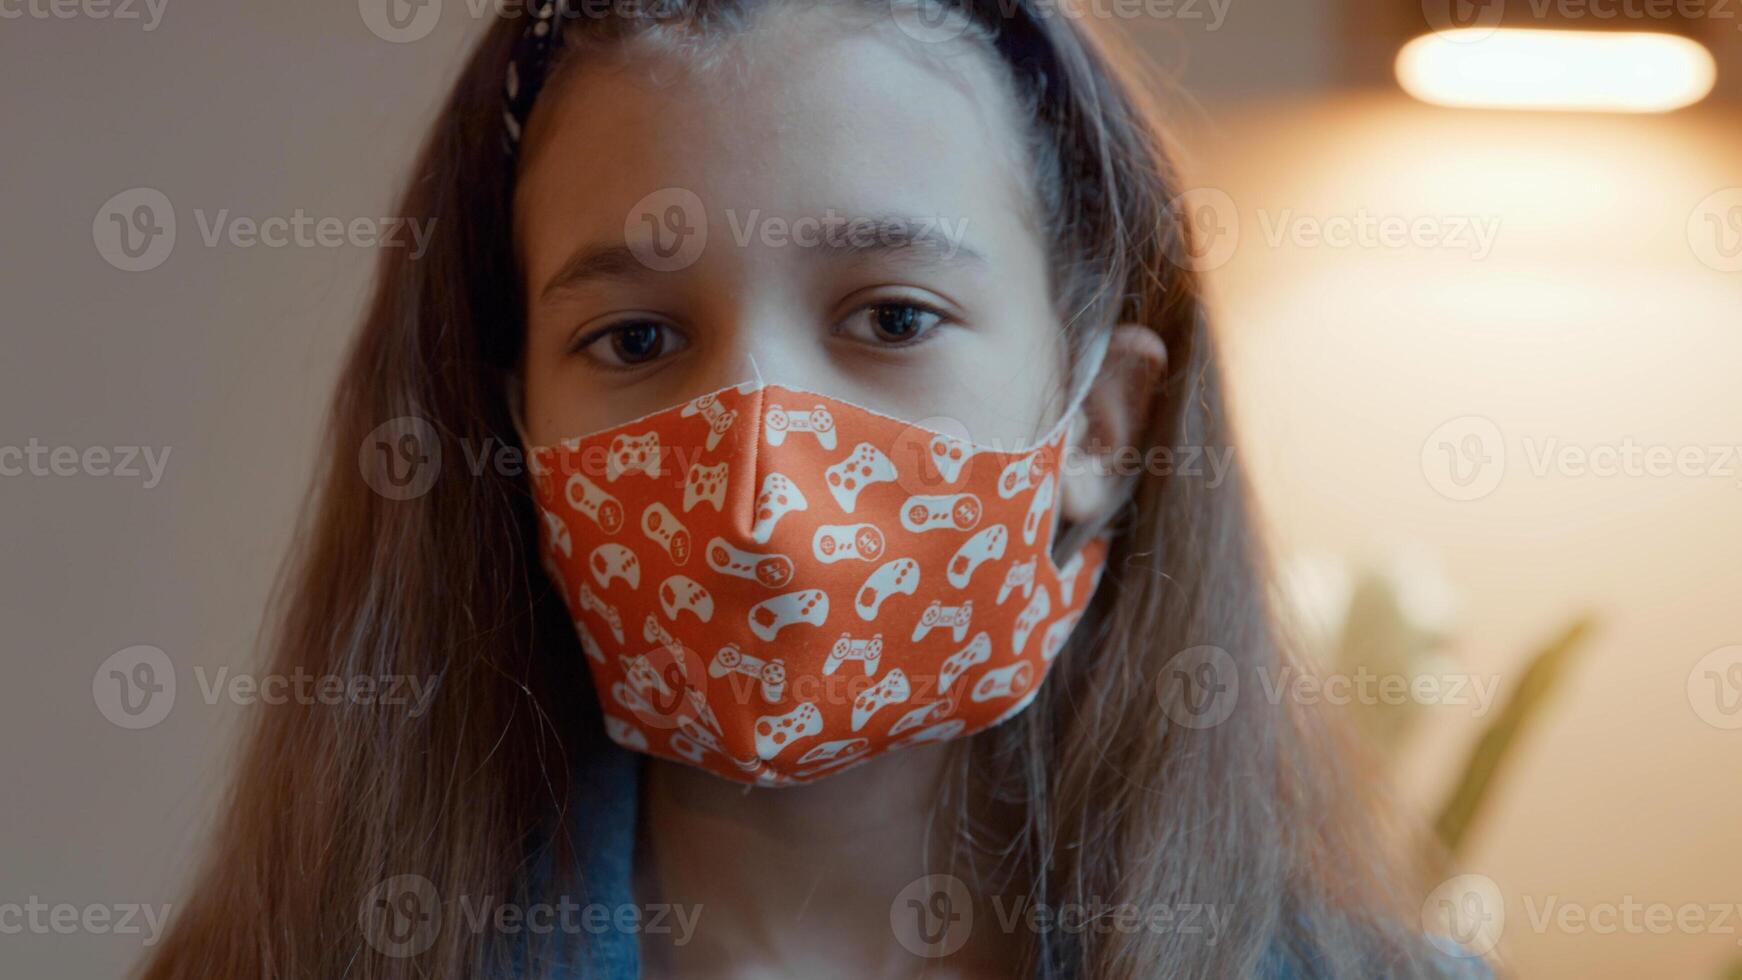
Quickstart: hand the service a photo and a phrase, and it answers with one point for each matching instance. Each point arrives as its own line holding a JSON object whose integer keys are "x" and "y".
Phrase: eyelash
{"x": 943, "y": 319}
{"x": 582, "y": 343}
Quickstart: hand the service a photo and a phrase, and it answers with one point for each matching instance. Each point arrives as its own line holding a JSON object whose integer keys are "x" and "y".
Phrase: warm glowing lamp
{"x": 1580, "y": 71}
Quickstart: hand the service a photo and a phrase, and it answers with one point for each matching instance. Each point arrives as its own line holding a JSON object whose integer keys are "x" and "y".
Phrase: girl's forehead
{"x": 806, "y": 113}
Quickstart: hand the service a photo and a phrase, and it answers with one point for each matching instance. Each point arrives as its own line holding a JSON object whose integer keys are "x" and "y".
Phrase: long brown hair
{"x": 1119, "y": 805}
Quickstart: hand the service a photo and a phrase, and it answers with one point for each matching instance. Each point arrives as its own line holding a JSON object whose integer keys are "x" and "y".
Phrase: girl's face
{"x": 822, "y": 203}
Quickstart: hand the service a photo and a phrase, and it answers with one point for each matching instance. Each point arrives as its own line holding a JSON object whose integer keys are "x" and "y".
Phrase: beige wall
{"x": 1589, "y": 322}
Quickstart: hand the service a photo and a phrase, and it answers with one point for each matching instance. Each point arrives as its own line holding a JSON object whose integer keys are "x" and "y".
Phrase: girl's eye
{"x": 628, "y": 345}
{"x": 893, "y": 323}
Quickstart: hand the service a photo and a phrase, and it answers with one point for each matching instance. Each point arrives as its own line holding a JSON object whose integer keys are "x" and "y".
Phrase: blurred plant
{"x": 1394, "y": 622}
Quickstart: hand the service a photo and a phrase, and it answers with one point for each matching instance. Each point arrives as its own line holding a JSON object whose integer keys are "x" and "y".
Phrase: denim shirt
{"x": 607, "y": 787}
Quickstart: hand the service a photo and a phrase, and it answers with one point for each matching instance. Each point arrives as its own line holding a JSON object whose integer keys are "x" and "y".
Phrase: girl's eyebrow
{"x": 591, "y": 262}
{"x": 934, "y": 239}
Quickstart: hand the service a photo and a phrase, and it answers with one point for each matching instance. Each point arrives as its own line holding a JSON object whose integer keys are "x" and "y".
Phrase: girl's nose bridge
{"x": 770, "y": 348}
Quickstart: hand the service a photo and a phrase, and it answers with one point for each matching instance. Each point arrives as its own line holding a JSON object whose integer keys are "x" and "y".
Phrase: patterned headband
{"x": 1021, "y": 40}
{"x": 528, "y": 67}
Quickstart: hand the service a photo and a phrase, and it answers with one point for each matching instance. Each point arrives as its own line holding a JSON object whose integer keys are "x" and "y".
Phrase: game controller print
{"x": 798, "y": 609}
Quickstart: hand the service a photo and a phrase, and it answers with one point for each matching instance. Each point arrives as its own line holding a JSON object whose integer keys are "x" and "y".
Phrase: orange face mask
{"x": 774, "y": 585}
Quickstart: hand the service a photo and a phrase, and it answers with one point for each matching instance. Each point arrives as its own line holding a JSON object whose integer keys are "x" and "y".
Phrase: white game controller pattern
{"x": 588, "y": 498}
{"x": 680, "y": 593}
{"x": 775, "y": 732}
{"x": 922, "y": 716}
{"x": 865, "y": 466}
{"x": 985, "y": 546}
{"x": 591, "y": 603}
{"x": 818, "y": 421}
{"x": 844, "y": 542}
{"x": 664, "y": 529}
{"x": 705, "y": 484}
{"x": 948, "y": 456}
{"x": 855, "y": 601}
{"x": 779, "y": 497}
{"x": 899, "y": 577}
{"x": 1032, "y": 614}
{"x": 633, "y": 454}
{"x": 868, "y": 651}
{"x": 556, "y": 534}
{"x": 939, "y": 616}
{"x": 615, "y": 561}
{"x": 891, "y": 688}
{"x": 771, "y": 673}
{"x": 977, "y": 652}
{"x": 773, "y": 571}
{"x": 932, "y": 512}
{"x": 770, "y": 616}
{"x": 719, "y": 419}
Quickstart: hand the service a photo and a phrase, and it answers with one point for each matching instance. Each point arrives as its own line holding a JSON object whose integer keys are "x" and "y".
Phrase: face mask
{"x": 774, "y": 585}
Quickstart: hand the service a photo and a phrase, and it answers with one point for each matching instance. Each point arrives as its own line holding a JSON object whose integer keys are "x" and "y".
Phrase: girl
{"x": 749, "y": 464}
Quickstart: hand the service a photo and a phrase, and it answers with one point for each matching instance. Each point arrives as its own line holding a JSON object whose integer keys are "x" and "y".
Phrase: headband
{"x": 1021, "y": 41}
{"x": 528, "y": 67}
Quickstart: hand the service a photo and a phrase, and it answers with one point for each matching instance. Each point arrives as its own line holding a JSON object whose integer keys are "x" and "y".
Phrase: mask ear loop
{"x": 1071, "y": 542}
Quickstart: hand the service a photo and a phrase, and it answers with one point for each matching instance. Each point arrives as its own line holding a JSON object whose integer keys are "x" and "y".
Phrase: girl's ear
{"x": 1100, "y": 455}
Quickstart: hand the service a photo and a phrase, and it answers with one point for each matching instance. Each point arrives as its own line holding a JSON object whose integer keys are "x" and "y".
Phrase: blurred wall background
{"x": 1595, "y": 315}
